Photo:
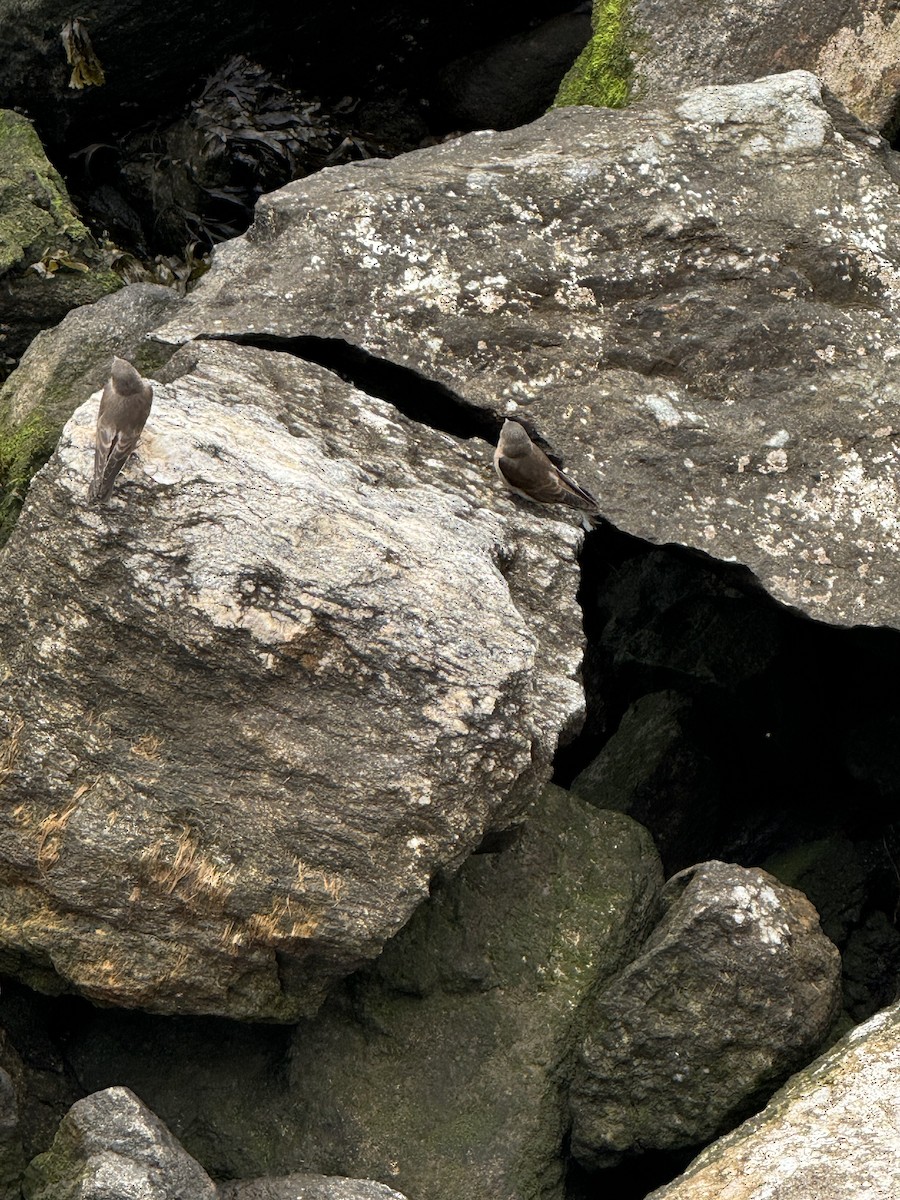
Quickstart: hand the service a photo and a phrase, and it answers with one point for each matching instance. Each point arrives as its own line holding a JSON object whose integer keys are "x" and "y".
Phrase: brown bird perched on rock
{"x": 526, "y": 470}
{"x": 124, "y": 408}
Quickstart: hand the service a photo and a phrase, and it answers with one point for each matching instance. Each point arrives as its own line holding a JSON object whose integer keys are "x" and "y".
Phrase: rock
{"x": 49, "y": 262}
{"x": 251, "y": 717}
{"x": 828, "y": 1133}
{"x": 12, "y": 1157}
{"x": 60, "y": 367}
{"x": 693, "y": 302}
{"x": 656, "y": 768}
{"x": 447, "y": 1066}
{"x": 677, "y": 45}
{"x": 110, "y": 1146}
{"x": 466, "y": 1023}
{"x": 306, "y": 1187}
{"x": 734, "y": 989}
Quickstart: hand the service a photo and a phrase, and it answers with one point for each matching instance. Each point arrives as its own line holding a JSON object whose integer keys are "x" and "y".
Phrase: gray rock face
{"x": 110, "y": 1146}
{"x": 440, "y": 1068}
{"x": 694, "y": 302}
{"x": 73, "y": 359}
{"x": 735, "y": 988}
{"x": 830, "y": 1133}
{"x": 853, "y": 47}
{"x": 306, "y": 1187}
{"x": 247, "y": 708}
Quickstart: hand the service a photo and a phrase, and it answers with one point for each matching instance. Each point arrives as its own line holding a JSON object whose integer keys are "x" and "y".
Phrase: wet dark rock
{"x": 734, "y": 989}
{"x": 514, "y": 81}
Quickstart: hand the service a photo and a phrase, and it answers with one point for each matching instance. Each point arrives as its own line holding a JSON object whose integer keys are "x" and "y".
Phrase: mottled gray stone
{"x": 852, "y": 45}
{"x": 306, "y": 1187}
{"x": 695, "y": 303}
{"x": 110, "y": 1146}
{"x": 64, "y": 364}
{"x": 831, "y": 1132}
{"x": 734, "y": 989}
{"x": 305, "y": 657}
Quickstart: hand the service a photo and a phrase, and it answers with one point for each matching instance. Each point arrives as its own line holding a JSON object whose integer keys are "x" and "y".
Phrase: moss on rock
{"x": 602, "y": 74}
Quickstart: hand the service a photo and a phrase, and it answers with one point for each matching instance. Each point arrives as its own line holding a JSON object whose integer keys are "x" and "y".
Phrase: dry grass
{"x": 52, "y": 828}
{"x": 147, "y": 747}
{"x": 181, "y": 868}
{"x": 9, "y": 749}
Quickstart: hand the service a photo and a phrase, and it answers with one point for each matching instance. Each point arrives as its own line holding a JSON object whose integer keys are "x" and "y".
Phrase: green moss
{"x": 23, "y": 450}
{"x": 602, "y": 73}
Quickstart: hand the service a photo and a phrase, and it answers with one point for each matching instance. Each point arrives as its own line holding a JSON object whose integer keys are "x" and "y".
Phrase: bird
{"x": 526, "y": 470}
{"x": 124, "y": 408}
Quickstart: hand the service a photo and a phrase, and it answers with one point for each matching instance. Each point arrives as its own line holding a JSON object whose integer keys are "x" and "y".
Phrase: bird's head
{"x": 514, "y": 440}
{"x": 125, "y": 377}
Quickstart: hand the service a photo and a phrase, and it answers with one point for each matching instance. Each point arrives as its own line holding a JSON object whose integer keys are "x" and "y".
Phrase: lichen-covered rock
{"x": 247, "y": 711}
{"x": 110, "y": 1146}
{"x": 830, "y": 1132}
{"x": 49, "y": 262}
{"x": 734, "y": 989}
{"x": 853, "y": 48}
{"x": 694, "y": 302}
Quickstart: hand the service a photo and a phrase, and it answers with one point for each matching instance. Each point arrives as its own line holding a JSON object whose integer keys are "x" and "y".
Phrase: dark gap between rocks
{"x": 411, "y": 393}
{"x": 735, "y": 728}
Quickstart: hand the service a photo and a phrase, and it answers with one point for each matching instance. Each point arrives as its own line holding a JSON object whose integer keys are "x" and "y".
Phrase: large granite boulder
{"x": 247, "y": 711}
{"x": 735, "y": 988}
{"x": 831, "y": 1132}
{"x": 694, "y": 302}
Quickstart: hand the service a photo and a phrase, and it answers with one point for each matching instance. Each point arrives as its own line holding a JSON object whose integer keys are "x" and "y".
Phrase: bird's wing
{"x": 112, "y": 453}
{"x": 576, "y": 494}
{"x": 546, "y": 484}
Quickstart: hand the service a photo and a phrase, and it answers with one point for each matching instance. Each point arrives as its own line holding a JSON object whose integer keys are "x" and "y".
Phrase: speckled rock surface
{"x": 694, "y": 302}
{"x": 110, "y": 1145}
{"x": 831, "y": 1132}
{"x": 245, "y": 712}
{"x": 735, "y": 988}
{"x": 306, "y": 1187}
{"x": 852, "y": 45}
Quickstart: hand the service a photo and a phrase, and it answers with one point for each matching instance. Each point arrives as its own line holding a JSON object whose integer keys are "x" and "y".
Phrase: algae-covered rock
{"x": 446, "y": 1067}
{"x": 49, "y": 261}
